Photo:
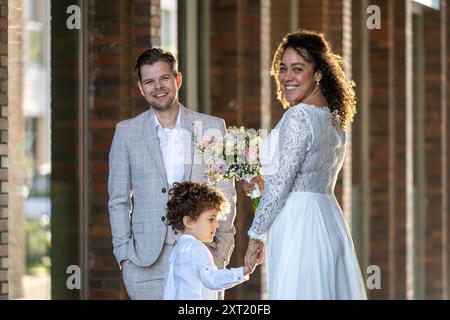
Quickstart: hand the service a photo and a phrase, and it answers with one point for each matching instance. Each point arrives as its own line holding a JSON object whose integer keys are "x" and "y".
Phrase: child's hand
{"x": 253, "y": 263}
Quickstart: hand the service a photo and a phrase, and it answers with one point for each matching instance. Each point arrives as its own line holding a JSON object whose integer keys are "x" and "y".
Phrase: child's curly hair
{"x": 336, "y": 87}
{"x": 192, "y": 199}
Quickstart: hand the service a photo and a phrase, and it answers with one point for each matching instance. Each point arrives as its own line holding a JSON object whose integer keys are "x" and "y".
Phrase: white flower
{"x": 234, "y": 156}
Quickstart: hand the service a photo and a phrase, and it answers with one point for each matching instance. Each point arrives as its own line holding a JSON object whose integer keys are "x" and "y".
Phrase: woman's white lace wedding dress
{"x": 309, "y": 249}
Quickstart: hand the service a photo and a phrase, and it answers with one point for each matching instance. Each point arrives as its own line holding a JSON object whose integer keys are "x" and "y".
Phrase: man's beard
{"x": 163, "y": 107}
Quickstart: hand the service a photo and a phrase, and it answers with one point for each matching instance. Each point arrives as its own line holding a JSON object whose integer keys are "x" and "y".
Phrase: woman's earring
{"x": 317, "y": 82}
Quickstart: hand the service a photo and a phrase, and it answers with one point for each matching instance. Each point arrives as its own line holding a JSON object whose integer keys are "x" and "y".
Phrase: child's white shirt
{"x": 192, "y": 275}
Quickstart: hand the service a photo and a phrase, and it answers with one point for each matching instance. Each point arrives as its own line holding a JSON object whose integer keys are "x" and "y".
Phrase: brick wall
{"x": 119, "y": 32}
{"x": 380, "y": 114}
{"x": 446, "y": 112}
{"x": 384, "y": 243}
{"x": 357, "y": 131}
{"x": 378, "y": 146}
{"x": 387, "y": 206}
{"x": 397, "y": 143}
{"x": 3, "y": 149}
{"x": 224, "y": 67}
{"x": 314, "y": 14}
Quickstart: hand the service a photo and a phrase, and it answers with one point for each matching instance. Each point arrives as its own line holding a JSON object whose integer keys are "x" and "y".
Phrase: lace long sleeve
{"x": 295, "y": 137}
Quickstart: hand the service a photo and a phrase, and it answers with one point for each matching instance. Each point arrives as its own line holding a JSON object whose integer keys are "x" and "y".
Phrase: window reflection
{"x": 169, "y": 26}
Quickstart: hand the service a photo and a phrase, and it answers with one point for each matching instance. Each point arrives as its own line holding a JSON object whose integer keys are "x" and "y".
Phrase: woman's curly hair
{"x": 192, "y": 199}
{"x": 336, "y": 88}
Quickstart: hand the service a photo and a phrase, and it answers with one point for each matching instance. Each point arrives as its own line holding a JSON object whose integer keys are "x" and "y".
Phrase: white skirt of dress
{"x": 310, "y": 252}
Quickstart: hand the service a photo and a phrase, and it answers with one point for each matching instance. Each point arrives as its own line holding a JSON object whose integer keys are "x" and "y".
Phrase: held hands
{"x": 255, "y": 249}
{"x": 253, "y": 262}
{"x": 249, "y": 187}
{"x": 254, "y": 255}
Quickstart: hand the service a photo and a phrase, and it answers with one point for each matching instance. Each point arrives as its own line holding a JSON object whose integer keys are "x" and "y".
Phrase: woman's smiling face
{"x": 296, "y": 76}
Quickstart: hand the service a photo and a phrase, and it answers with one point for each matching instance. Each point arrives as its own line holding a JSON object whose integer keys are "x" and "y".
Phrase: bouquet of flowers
{"x": 234, "y": 156}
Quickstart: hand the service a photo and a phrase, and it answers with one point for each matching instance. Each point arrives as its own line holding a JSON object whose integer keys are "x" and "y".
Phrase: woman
{"x": 310, "y": 253}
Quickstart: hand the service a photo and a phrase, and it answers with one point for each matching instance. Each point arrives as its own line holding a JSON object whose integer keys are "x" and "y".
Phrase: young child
{"x": 194, "y": 210}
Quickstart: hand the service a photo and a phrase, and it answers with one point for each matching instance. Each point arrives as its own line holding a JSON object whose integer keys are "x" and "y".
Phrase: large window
{"x": 169, "y": 26}
{"x": 429, "y": 3}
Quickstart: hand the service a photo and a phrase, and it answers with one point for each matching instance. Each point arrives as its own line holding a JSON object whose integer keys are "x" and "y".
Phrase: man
{"x": 148, "y": 154}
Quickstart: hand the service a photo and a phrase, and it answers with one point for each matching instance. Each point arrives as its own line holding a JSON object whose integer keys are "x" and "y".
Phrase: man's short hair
{"x": 154, "y": 55}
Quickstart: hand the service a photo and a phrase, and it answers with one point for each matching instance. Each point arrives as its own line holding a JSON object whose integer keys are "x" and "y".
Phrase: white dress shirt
{"x": 172, "y": 150}
{"x": 192, "y": 275}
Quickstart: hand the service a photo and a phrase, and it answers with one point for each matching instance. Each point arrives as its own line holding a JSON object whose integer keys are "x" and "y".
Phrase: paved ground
{"x": 36, "y": 287}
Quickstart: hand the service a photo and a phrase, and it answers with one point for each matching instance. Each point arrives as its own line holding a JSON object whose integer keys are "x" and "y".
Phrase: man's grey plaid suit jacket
{"x": 136, "y": 167}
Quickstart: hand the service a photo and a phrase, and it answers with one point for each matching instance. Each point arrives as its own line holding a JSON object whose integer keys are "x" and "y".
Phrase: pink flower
{"x": 220, "y": 167}
{"x": 206, "y": 142}
{"x": 252, "y": 156}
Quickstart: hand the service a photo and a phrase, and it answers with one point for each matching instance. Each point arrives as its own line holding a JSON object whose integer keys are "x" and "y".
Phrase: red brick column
{"x": 434, "y": 236}
{"x": 445, "y": 147}
{"x": 446, "y": 65}
{"x": 334, "y": 24}
{"x": 382, "y": 115}
{"x": 119, "y": 32}
{"x": 235, "y": 97}
{"x": 358, "y": 27}
{"x": 224, "y": 64}
{"x": 397, "y": 173}
{"x": 379, "y": 146}
{"x": 380, "y": 166}
{"x": 4, "y": 150}
{"x": 314, "y": 15}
